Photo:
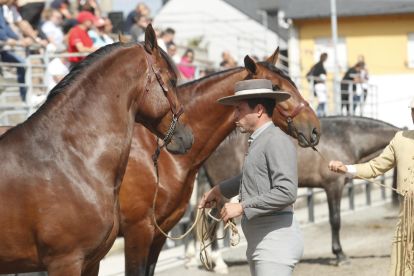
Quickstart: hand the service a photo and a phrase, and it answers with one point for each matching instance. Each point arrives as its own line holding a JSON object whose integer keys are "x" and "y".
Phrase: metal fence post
{"x": 29, "y": 86}
{"x": 368, "y": 192}
{"x": 311, "y": 217}
{"x": 312, "y": 91}
{"x": 351, "y": 195}
{"x": 350, "y": 100}
{"x": 383, "y": 191}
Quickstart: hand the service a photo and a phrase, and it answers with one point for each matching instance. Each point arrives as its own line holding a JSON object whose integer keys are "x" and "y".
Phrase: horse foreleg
{"x": 64, "y": 266}
{"x": 334, "y": 193}
{"x": 190, "y": 251}
{"x": 138, "y": 240}
{"x": 155, "y": 251}
{"x": 94, "y": 271}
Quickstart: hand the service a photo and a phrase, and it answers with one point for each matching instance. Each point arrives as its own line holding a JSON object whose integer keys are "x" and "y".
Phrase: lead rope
{"x": 408, "y": 215}
{"x": 204, "y": 231}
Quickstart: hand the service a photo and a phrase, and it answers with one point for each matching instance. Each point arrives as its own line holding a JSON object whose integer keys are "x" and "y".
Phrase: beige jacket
{"x": 399, "y": 153}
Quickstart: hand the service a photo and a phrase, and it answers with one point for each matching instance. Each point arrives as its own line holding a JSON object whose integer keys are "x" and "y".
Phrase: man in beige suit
{"x": 399, "y": 153}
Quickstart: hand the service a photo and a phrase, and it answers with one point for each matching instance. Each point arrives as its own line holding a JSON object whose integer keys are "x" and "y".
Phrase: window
{"x": 325, "y": 45}
{"x": 410, "y": 49}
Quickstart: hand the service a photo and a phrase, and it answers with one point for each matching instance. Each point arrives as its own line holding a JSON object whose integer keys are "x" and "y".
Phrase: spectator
{"x": 79, "y": 40}
{"x": 57, "y": 69}
{"x": 364, "y": 76}
{"x": 51, "y": 27}
{"x": 225, "y": 57}
{"x": 353, "y": 74}
{"x": 187, "y": 72}
{"x": 15, "y": 20}
{"x": 141, "y": 10}
{"x": 166, "y": 38}
{"x": 172, "y": 52}
{"x": 98, "y": 36}
{"x": 108, "y": 30}
{"x": 231, "y": 62}
{"x": 69, "y": 17}
{"x": 138, "y": 28}
{"x": 322, "y": 94}
{"x": 31, "y": 11}
{"x": 90, "y": 6}
{"x": 318, "y": 69}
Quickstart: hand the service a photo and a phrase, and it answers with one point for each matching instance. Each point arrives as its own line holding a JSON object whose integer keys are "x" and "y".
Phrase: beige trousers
{"x": 398, "y": 265}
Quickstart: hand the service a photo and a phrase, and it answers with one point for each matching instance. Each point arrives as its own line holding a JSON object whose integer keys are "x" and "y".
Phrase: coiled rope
{"x": 407, "y": 221}
{"x": 204, "y": 230}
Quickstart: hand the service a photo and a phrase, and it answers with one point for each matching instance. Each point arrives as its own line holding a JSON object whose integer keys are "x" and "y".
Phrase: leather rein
{"x": 289, "y": 118}
{"x": 176, "y": 113}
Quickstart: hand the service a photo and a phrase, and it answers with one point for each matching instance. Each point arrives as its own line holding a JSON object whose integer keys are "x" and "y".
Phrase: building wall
{"x": 222, "y": 26}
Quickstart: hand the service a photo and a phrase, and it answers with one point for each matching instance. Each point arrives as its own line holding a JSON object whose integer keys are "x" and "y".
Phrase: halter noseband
{"x": 289, "y": 118}
{"x": 176, "y": 114}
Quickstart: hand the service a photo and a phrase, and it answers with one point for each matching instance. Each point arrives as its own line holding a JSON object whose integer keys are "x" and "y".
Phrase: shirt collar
{"x": 260, "y": 130}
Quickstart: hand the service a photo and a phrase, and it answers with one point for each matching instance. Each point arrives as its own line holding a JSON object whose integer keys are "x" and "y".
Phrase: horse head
{"x": 158, "y": 108}
{"x": 305, "y": 125}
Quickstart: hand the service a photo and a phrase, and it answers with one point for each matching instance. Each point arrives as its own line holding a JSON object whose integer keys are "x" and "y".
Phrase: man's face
{"x": 246, "y": 118}
{"x": 88, "y": 24}
{"x": 358, "y": 69}
{"x": 169, "y": 38}
{"x": 172, "y": 50}
{"x": 108, "y": 25}
{"x": 3, "y": 2}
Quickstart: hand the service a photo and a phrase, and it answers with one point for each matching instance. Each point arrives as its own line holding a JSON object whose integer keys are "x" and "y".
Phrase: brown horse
{"x": 62, "y": 169}
{"x": 351, "y": 139}
{"x": 211, "y": 123}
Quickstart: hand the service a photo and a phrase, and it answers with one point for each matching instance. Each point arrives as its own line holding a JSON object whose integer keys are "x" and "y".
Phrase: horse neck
{"x": 372, "y": 137}
{"x": 93, "y": 117}
{"x": 210, "y": 121}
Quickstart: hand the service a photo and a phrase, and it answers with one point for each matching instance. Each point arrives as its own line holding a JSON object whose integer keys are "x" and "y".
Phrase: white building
{"x": 223, "y": 25}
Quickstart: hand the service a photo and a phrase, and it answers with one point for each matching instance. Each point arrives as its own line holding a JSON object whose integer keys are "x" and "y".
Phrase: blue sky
{"x": 127, "y": 6}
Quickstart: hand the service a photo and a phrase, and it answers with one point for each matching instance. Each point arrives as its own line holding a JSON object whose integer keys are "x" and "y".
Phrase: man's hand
{"x": 338, "y": 167}
{"x": 231, "y": 210}
{"x": 211, "y": 198}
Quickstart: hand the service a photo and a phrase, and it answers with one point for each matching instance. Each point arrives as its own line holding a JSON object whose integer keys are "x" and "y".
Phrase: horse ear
{"x": 150, "y": 40}
{"x": 122, "y": 38}
{"x": 251, "y": 66}
{"x": 273, "y": 58}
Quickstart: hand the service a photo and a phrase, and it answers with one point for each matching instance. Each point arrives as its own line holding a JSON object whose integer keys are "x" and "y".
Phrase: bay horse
{"x": 62, "y": 169}
{"x": 212, "y": 123}
{"x": 349, "y": 139}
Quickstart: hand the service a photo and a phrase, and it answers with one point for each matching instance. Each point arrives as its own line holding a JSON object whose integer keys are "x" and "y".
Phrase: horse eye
{"x": 173, "y": 82}
{"x": 276, "y": 87}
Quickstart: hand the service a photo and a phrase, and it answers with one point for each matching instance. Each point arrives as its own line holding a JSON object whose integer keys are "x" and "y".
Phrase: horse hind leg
{"x": 334, "y": 194}
{"x": 190, "y": 251}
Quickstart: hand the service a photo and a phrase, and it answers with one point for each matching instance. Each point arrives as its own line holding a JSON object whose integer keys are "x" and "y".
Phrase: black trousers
{"x": 31, "y": 12}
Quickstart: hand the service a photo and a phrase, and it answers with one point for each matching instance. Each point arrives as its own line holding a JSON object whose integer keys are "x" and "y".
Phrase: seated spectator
{"x": 79, "y": 40}
{"x": 16, "y": 22}
{"x": 141, "y": 10}
{"x": 138, "y": 28}
{"x": 7, "y": 35}
{"x": 90, "y": 6}
{"x": 57, "y": 69}
{"x": 51, "y": 27}
{"x": 167, "y": 37}
{"x": 172, "y": 52}
{"x": 69, "y": 17}
{"x": 98, "y": 35}
{"x": 31, "y": 10}
{"x": 187, "y": 72}
{"x": 225, "y": 57}
{"x": 108, "y": 30}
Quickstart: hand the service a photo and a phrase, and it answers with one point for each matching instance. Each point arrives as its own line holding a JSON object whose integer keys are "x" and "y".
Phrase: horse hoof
{"x": 344, "y": 263}
{"x": 191, "y": 263}
{"x": 221, "y": 269}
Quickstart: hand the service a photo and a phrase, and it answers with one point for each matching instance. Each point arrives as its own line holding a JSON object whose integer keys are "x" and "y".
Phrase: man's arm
{"x": 282, "y": 165}
{"x": 231, "y": 187}
{"x": 372, "y": 169}
{"x": 82, "y": 49}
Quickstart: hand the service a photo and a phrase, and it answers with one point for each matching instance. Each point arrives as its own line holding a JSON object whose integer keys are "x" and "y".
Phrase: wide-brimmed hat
{"x": 411, "y": 104}
{"x": 252, "y": 89}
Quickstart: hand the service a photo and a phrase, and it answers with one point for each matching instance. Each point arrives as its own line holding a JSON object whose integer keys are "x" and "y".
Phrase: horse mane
{"x": 278, "y": 71}
{"x": 358, "y": 118}
{"x": 79, "y": 68}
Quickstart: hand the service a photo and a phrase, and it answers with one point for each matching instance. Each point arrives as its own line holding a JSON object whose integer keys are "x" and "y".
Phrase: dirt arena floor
{"x": 366, "y": 237}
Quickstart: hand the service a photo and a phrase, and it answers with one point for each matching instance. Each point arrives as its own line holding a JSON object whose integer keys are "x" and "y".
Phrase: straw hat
{"x": 250, "y": 89}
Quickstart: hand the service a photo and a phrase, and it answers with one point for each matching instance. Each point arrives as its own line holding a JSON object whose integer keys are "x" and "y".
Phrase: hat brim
{"x": 278, "y": 96}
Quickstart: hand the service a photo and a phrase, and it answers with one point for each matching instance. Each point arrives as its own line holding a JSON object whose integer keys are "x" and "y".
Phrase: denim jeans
{"x": 321, "y": 110}
{"x": 8, "y": 56}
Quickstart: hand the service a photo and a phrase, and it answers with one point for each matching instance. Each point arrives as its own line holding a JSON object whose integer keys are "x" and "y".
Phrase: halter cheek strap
{"x": 289, "y": 118}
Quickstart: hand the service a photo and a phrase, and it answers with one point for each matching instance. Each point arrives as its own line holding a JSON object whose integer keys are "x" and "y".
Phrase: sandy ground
{"x": 366, "y": 237}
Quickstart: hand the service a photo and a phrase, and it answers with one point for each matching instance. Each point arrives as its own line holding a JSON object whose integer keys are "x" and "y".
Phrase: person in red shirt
{"x": 79, "y": 40}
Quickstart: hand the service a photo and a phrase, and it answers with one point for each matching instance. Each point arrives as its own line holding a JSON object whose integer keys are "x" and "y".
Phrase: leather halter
{"x": 289, "y": 118}
{"x": 150, "y": 61}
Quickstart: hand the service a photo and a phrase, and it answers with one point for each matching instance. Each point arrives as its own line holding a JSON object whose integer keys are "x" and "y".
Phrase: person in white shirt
{"x": 322, "y": 94}
{"x": 57, "y": 70}
{"x": 51, "y": 27}
{"x": 172, "y": 52}
{"x": 16, "y": 22}
{"x": 108, "y": 30}
{"x": 166, "y": 38}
